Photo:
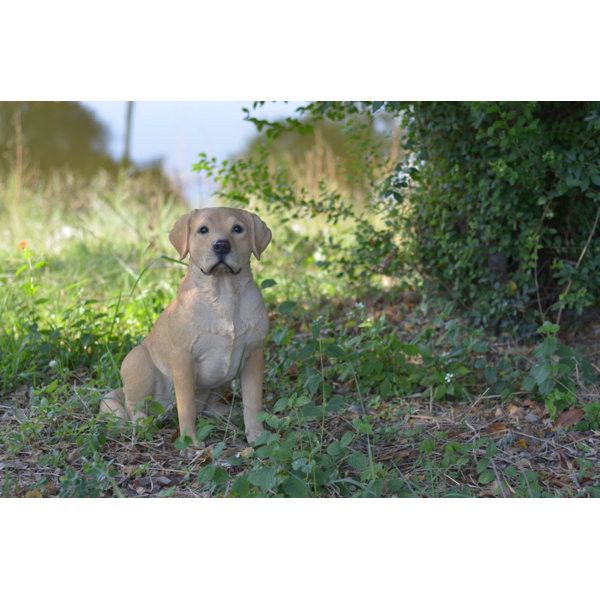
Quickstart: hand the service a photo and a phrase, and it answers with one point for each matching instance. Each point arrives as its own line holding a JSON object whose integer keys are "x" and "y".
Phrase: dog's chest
{"x": 220, "y": 349}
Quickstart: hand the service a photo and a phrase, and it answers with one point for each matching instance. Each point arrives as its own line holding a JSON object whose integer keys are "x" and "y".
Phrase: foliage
{"x": 354, "y": 235}
{"x": 506, "y": 204}
{"x": 554, "y": 372}
{"x": 52, "y": 135}
{"x": 497, "y": 201}
{"x": 336, "y": 397}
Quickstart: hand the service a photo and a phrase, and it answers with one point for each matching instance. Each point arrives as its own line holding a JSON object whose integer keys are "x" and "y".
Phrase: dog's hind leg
{"x": 139, "y": 381}
{"x": 114, "y": 403}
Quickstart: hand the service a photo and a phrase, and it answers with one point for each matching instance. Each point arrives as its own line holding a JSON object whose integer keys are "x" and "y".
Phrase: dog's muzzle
{"x": 221, "y": 248}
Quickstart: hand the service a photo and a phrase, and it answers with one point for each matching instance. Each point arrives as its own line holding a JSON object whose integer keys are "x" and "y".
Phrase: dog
{"x": 213, "y": 331}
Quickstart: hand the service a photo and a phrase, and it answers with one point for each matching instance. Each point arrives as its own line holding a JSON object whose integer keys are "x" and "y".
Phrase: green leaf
{"x": 281, "y": 404}
{"x": 52, "y": 386}
{"x": 307, "y": 350}
{"x": 157, "y": 408}
{"x": 334, "y": 351}
{"x": 182, "y": 442}
{"x": 347, "y": 439}
{"x": 295, "y": 488}
{"x": 279, "y": 335}
{"x": 302, "y": 400}
{"x": 491, "y": 449}
{"x": 285, "y": 308}
{"x": 334, "y": 449}
{"x": 241, "y": 487}
{"x": 267, "y": 283}
{"x": 313, "y": 382}
{"x": 264, "y": 478}
{"x": 396, "y": 485}
{"x": 490, "y": 374}
{"x": 546, "y": 387}
{"x": 362, "y": 426}
{"x": 204, "y": 431}
{"x": 486, "y": 477}
{"x": 336, "y": 403}
{"x": 541, "y": 372}
{"x": 528, "y": 384}
{"x": 206, "y": 473}
{"x": 218, "y": 450}
{"x": 358, "y": 461}
{"x": 427, "y": 446}
{"x": 410, "y": 349}
{"x": 440, "y": 392}
{"x": 480, "y": 347}
{"x": 220, "y": 475}
{"x": 482, "y": 465}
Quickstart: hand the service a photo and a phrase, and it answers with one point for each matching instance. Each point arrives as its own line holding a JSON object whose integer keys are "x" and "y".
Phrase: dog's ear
{"x": 261, "y": 235}
{"x": 180, "y": 234}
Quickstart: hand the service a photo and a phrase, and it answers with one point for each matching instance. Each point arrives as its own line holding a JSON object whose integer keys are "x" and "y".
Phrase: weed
{"x": 554, "y": 372}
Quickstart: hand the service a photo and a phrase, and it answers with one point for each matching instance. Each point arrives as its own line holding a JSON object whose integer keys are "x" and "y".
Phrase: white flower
{"x": 52, "y": 364}
{"x": 318, "y": 255}
{"x": 449, "y": 377}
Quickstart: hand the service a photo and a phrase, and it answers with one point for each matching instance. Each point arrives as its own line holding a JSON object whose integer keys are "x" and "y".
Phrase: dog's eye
{"x": 203, "y": 229}
{"x": 237, "y": 229}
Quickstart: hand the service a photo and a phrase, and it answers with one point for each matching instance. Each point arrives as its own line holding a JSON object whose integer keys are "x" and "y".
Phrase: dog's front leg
{"x": 251, "y": 381}
{"x": 184, "y": 382}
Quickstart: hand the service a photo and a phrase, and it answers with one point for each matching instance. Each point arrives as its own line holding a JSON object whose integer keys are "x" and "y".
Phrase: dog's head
{"x": 220, "y": 240}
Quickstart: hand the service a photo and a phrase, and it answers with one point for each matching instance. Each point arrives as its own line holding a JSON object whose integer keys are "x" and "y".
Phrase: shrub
{"x": 505, "y": 211}
{"x": 496, "y": 201}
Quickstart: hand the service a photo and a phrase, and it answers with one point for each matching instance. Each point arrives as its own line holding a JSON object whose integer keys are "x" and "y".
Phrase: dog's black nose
{"x": 221, "y": 247}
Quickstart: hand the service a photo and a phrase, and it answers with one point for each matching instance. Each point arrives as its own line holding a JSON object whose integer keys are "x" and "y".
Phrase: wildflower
{"x": 52, "y": 364}
{"x": 23, "y": 245}
{"x": 449, "y": 377}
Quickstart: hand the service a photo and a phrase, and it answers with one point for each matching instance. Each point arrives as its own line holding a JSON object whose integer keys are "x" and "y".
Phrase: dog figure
{"x": 213, "y": 331}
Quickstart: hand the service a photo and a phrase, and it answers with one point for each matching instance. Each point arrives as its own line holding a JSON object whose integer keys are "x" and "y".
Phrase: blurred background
{"x": 164, "y": 138}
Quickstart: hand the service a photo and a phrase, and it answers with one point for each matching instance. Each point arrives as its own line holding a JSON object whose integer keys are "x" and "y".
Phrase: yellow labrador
{"x": 214, "y": 330}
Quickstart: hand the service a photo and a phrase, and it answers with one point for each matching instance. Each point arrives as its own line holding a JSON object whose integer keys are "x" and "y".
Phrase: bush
{"x": 505, "y": 208}
{"x": 493, "y": 203}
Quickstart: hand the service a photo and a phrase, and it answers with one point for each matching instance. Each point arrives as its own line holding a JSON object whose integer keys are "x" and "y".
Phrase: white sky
{"x": 178, "y": 131}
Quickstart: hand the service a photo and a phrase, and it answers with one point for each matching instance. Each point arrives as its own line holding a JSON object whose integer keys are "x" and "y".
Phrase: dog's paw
{"x": 253, "y": 434}
{"x": 194, "y": 450}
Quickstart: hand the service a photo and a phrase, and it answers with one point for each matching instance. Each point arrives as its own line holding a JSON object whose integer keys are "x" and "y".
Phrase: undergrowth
{"x": 358, "y": 383}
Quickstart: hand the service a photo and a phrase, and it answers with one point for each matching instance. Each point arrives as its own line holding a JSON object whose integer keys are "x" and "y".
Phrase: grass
{"x": 368, "y": 392}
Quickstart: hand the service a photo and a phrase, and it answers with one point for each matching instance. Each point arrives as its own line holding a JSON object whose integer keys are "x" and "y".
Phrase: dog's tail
{"x": 114, "y": 404}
